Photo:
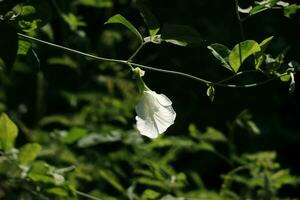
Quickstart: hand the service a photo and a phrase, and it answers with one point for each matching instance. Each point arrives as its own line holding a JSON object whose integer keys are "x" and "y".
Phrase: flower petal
{"x": 154, "y": 114}
{"x": 164, "y": 118}
{"x": 146, "y": 127}
{"x": 163, "y": 100}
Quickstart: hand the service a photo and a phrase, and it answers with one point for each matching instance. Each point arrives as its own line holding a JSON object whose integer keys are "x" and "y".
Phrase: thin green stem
{"x": 72, "y": 50}
{"x": 236, "y": 75}
{"x": 224, "y": 158}
{"x": 209, "y": 82}
{"x": 130, "y": 64}
{"x": 172, "y": 72}
{"x": 87, "y": 195}
{"x": 130, "y": 59}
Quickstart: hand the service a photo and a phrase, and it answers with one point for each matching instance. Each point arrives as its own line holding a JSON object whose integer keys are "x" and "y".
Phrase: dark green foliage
{"x": 67, "y": 122}
{"x": 8, "y": 44}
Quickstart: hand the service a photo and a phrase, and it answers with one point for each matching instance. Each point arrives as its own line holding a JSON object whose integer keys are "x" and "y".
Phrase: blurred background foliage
{"x": 75, "y": 115}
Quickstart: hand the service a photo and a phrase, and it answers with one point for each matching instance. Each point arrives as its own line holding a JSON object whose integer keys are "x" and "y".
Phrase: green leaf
{"x": 96, "y": 3}
{"x": 29, "y": 152}
{"x": 74, "y": 21}
{"x": 58, "y": 191}
{"x": 8, "y": 44}
{"x": 252, "y": 127}
{"x": 95, "y": 139}
{"x": 290, "y": 10}
{"x": 241, "y": 52}
{"x": 28, "y": 26}
{"x": 149, "y": 19}
{"x": 258, "y": 9}
{"x": 33, "y": 16}
{"x": 221, "y": 52}
{"x": 119, "y": 19}
{"x": 40, "y": 172}
{"x": 211, "y": 93}
{"x": 73, "y": 135}
{"x": 285, "y": 78}
{"x": 260, "y": 56}
{"x": 25, "y": 10}
{"x": 180, "y": 35}
{"x": 205, "y": 146}
{"x": 265, "y": 43}
{"x": 24, "y": 47}
{"x": 110, "y": 177}
{"x": 213, "y": 135}
{"x": 8, "y": 132}
{"x": 244, "y": 121}
{"x": 64, "y": 61}
{"x": 149, "y": 194}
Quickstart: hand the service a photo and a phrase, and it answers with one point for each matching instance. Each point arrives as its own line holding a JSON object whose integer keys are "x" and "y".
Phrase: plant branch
{"x": 72, "y": 50}
{"x": 129, "y": 63}
{"x": 236, "y": 75}
{"x": 130, "y": 59}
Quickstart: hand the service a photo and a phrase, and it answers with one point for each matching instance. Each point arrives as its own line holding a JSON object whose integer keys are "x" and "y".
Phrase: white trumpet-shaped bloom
{"x": 154, "y": 114}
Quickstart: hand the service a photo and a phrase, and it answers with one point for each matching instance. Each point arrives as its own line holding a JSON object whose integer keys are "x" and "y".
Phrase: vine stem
{"x": 130, "y": 59}
{"x": 130, "y": 63}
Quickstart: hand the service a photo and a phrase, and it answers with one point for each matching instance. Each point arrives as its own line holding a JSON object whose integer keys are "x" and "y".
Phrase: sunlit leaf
{"x": 150, "y": 194}
{"x": 241, "y": 52}
{"x": 211, "y": 93}
{"x": 119, "y": 19}
{"x": 258, "y": 9}
{"x": 260, "y": 56}
{"x": 8, "y": 132}
{"x": 212, "y": 134}
{"x": 58, "y": 191}
{"x": 221, "y": 52}
{"x": 74, "y": 22}
{"x": 265, "y": 43}
{"x": 291, "y": 10}
{"x": 73, "y": 135}
{"x": 40, "y": 172}
{"x": 64, "y": 60}
{"x": 29, "y": 152}
{"x": 23, "y": 47}
{"x": 96, "y": 3}
{"x": 285, "y": 78}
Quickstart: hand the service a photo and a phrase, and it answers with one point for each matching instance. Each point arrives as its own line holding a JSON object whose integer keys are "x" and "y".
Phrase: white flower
{"x": 154, "y": 113}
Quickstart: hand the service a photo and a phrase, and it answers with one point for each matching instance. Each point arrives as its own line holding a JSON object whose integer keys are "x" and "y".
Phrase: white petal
{"x": 146, "y": 127}
{"x": 164, "y": 118}
{"x": 163, "y": 100}
{"x": 155, "y": 114}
